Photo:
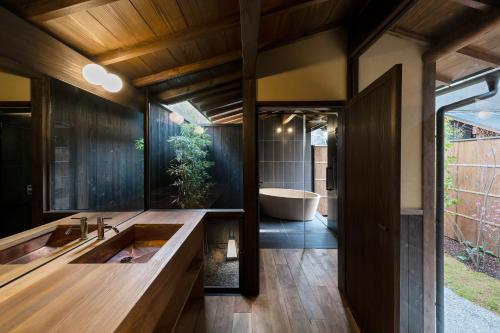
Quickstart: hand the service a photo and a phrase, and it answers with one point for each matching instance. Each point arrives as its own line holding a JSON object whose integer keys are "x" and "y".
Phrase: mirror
{"x": 89, "y": 164}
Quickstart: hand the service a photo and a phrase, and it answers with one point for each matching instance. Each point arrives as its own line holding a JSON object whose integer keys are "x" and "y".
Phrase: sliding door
{"x": 372, "y": 203}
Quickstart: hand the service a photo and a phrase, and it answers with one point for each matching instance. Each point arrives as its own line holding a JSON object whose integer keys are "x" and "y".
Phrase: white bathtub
{"x": 287, "y": 204}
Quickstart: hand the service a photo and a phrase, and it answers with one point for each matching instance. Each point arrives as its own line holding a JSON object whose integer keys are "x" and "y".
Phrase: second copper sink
{"x": 42, "y": 245}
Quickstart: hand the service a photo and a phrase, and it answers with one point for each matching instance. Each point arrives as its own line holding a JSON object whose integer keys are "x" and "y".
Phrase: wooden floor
{"x": 298, "y": 294}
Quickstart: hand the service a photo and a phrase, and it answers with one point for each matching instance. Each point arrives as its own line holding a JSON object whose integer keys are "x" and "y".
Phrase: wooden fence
{"x": 475, "y": 170}
{"x": 320, "y": 158}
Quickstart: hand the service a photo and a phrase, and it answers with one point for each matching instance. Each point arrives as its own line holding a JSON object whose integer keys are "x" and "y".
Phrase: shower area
{"x": 297, "y": 178}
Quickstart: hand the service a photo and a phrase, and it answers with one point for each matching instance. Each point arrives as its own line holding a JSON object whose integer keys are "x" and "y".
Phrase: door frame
{"x": 338, "y": 106}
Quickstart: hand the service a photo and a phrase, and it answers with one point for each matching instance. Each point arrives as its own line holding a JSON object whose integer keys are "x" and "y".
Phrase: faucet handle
{"x": 101, "y": 219}
{"x": 83, "y": 218}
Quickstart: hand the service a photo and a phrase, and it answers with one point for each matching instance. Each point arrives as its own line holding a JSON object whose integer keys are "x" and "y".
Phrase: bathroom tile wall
{"x": 284, "y": 160}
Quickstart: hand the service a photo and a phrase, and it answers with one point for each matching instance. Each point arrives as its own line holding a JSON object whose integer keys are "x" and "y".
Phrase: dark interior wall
{"x": 95, "y": 164}
{"x": 227, "y": 172}
{"x": 161, "y": 128}
{"x": 225, "y": 152}
{"x": 15, "y": 167}
{"x": 284, "y": 162}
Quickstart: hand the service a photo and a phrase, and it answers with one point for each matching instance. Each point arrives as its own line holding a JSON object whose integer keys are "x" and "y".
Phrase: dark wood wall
{"x": 225, "y": 151}
{"x": 227, "y": 172}
{"x": 411, "y": 273}
{"x": 94, "y": 163}
{"x": 161, "y": 128}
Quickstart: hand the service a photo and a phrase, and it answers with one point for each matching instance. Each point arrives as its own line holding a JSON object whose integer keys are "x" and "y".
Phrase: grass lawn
{"x": 474, "y": 286}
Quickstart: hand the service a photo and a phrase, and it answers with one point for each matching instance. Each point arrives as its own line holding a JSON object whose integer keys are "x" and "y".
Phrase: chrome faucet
{"x": 101, "y": 226}
{"x": 84, "y": 227}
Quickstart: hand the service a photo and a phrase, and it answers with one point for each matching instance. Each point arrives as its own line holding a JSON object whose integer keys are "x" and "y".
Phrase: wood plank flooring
{"x": 298, "y": 294}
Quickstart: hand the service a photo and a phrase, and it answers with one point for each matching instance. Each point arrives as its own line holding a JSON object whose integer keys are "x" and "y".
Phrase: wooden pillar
{"x": 147, "y": 169}
{"x": 429, "y": 193}
{"x": 249, "y": 18}
{"x": 40, "y": 107}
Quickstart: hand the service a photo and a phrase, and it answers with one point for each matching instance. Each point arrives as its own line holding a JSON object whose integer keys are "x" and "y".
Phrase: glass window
{"x": 194, "y": 163}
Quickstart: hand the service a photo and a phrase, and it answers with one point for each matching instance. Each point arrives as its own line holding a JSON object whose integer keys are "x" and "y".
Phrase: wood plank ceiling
{"x": 181, "y": 50}
{"x": 191, "y": 49}
{"x": 430, "y": 22}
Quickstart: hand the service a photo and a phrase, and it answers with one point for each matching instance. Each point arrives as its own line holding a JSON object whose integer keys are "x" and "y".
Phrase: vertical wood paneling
{"x": 372, "y": 203}
{"x": 94, "y": 163}
{"x": 411, "y": 274}
{"x": 224, "y": 151}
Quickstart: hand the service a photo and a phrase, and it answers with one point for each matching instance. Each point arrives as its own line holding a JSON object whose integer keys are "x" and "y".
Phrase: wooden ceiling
{"x": 191, "y": 49}
{"x": 181, "y": 49}
{"x": 429, "y": 22}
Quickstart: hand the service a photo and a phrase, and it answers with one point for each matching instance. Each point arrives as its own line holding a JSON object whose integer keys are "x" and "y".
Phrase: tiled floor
{"x": 278, "y": 234}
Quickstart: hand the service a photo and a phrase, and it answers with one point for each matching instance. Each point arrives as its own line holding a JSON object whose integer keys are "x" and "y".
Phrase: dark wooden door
{"x": 15, "y": 171}
{"x": 372, "y": 203}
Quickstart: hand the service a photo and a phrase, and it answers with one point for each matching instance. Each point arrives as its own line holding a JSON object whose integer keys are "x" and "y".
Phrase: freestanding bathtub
{"x": 287, "y": 204}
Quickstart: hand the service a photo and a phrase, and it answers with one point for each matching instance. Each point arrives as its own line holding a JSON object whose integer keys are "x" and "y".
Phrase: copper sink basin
{"x": 41, "y": 246}
{"x": 136, "y": 244}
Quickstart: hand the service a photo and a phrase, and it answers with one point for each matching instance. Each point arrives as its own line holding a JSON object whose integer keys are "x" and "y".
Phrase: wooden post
{"x": 40, "y": 106}
{"x": 249, "y": 18}
{"x": 429, "y": 193}
{"x": 146, "y": 163}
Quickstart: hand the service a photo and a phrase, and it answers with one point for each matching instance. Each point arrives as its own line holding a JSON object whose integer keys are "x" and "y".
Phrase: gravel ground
{"x": 491, "y": 266}
{"x": 461, "y": 315}
{"x": 219, "y": 272}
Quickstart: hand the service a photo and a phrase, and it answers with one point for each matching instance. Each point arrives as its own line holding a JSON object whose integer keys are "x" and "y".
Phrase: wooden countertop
{"x": 65, "y": 297}
{"x": 10, "y": 272}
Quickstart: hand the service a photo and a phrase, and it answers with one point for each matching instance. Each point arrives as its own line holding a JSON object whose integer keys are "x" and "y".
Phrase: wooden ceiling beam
{"x": 177, "y": 38}
{"x": 187, "y": 69}
{"x": 218, "y": 92}
{"x": 224, "y": 109}
{"x": 472, "y": 52}
{"x": 43, "y": 54}
{"x": 476, "y": 4}
{"x": 463, "y": 36}
{"x": 214, "y": 90}
{"x": 227, "y": 114}
{"x": 217, "y": 100}
{"x": 205, "y": 92}
{"x": 177, "y": 93}
{"x": 443, "y": 78}
{"x": 483, "y": 56}
{"x": 221, "y": 59}
{"x": 373, "y": 22}
{"x": 231, "y": 118}
{"x": 44, "y": 10}
{"x": 218, "y": 104}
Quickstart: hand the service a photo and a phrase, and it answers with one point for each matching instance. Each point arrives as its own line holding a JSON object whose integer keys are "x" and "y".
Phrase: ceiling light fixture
{"x": 112, "y": 83}
{"x": 94, "y": 74}
{"x": 97, "y": 75}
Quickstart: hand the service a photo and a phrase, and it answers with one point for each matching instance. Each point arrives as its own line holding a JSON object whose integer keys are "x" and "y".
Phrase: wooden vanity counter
{"x": 10, "y": 272}
{"x": 62, "y": 296}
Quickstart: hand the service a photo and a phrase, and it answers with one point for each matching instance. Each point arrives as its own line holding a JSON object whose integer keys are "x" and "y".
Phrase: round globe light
{"x": 112, "y": 83}
{"x": 94, "y": 74}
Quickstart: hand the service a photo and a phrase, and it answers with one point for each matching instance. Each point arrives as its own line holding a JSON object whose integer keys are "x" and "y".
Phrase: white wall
{"x": 379, "y": 58}
{"x": 312, "y": 69}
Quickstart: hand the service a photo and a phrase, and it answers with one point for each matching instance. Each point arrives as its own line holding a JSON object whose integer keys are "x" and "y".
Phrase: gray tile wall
{"x": 284, "y": 160}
